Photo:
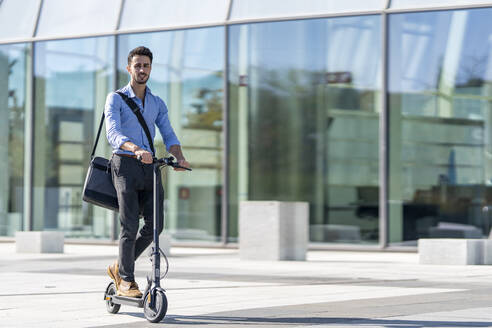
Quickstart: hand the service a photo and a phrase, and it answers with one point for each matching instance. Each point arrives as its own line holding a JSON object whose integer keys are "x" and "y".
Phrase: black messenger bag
{"x": 98, "y": 187}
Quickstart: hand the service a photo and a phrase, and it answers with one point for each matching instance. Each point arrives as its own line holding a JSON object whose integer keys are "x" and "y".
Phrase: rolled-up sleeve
{"x": 165, "y": 127}
{"x": 112, "y": 113}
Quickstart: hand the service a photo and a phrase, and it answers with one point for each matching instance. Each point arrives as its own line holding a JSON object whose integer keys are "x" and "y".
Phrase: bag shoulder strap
{"x": 136, "y": 111}
{"x": 141, "y": 120}
{"x": 97, "y": 138}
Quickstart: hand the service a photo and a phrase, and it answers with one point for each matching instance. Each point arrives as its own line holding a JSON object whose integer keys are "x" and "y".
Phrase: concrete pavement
{"x": 213, "y": 288}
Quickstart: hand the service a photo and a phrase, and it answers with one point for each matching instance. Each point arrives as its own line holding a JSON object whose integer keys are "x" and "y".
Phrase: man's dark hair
{"x": 140, "y": 51}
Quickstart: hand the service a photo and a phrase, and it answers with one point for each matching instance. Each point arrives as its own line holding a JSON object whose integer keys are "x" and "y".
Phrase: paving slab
{"x": 214, "y": 288}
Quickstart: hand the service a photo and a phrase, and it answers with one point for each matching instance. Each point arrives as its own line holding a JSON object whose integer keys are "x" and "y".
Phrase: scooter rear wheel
{"x": 159, "y": 312}
{"x": 110, "y": 306}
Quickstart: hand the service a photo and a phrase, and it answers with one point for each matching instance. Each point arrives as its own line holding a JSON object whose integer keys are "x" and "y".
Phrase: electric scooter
{"x": 153, "y": 300}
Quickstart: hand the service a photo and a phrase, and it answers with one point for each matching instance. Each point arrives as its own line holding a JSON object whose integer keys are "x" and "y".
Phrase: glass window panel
{"x": 407, "y": 4}
{"x": 304, "y": 121}
{"x": 70, "y": 174}
{"x": 17, "y": 18}
{"x": 72, "y": 152}
{"x": 440, "y": 78}
{"x": 13, "y": 62}
{"x": 251, "y": 9}
{"x": 71, "y": 131}
{"x": 187, "y": 73}
{"x": 72, "y": 80}
{"x": 64, "y": 18}
{"x": 140, "y": 14}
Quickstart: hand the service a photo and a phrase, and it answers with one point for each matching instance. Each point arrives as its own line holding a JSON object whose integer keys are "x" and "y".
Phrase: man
{"x": 133, "y": 178}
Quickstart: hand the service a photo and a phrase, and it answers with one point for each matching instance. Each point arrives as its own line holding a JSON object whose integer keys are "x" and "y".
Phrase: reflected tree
{"x": 208, "y": 111}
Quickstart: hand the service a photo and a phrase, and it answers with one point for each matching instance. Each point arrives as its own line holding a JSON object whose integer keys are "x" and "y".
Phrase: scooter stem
{"x": 156, "y": 256}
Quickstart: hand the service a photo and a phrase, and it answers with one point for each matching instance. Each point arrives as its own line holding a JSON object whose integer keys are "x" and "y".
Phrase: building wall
{"x": 288, "y": 110}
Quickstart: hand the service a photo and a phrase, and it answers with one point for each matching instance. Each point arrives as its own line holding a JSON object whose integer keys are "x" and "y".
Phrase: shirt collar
{"x": 131, "y": 94}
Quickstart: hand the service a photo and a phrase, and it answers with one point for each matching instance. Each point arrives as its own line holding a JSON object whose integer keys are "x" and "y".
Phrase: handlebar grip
{"x": 169, "y": 161}
{"x": 182, "y": 167}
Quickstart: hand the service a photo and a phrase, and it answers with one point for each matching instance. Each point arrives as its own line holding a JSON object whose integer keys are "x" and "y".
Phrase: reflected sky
{"x": 243, "y": 9}
{"x": 430, "y": 48}
{"x": 17, "y": 18}
{"x": 139, "y": 14}
{"x": 71, "y": 68}
{"x": 61, "y": 17}
{"x": 348, "y": 44}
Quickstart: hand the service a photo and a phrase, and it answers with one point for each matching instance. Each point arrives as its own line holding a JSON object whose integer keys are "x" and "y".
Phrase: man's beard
{"x": 144, "y": 81}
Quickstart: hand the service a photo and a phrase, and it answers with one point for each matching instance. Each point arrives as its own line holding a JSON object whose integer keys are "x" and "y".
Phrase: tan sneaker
{"x": 113, "y": 272}
{"x": 129, "y": 289}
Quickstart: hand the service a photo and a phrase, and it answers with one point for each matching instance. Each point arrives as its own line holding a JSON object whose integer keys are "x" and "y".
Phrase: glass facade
{"x": 440, "y": 75}
{"x": 434, "y": 3}
{"x": 13, "y": 75}
{"x": 304, "y": 126}
{"x": 378, "y": 125}
{"x": 17, "y": 18}
{"x": 139, "y": 14}
{"x": 254, "y": 9}
{"x": 59, "y": 17}
{"x": 72, "y": 79}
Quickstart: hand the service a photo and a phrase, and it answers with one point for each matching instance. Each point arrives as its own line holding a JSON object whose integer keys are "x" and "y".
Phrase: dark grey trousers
{"x": 133, "y": 182}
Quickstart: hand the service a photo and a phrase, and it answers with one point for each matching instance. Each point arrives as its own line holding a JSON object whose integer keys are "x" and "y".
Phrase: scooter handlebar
{"x": 168, "y": 161}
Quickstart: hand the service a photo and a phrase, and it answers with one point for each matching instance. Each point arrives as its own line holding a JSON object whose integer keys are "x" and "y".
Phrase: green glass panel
{"x": 72, "y": 80}
{"x": 13, "y": 63}
{"x": 304, "y": 122}
{"x": 440, "y": 77}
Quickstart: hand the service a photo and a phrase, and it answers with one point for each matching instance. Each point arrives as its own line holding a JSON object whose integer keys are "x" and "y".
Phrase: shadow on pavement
{"x": 285, "y": 321}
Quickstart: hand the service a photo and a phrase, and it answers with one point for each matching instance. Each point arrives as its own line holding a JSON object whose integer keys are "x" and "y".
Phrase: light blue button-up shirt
{"x": 122, "y": 124}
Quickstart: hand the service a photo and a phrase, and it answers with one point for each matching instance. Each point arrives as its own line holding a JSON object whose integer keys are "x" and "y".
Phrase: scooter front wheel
{"x": 157, "y": 313}
{"x": 110, "y": 306}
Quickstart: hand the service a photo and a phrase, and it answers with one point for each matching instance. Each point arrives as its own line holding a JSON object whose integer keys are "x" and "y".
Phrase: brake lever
{"x": 181, "y": 167}
{"x": 168, "y": 161}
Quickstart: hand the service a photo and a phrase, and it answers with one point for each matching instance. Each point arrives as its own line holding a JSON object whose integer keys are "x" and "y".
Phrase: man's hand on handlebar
{"x": 144, "y": 156}
{"x": 183, "y": 163}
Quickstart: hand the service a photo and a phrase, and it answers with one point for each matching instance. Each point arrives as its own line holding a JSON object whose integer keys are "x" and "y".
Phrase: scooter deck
{"x": 138, "y": 302}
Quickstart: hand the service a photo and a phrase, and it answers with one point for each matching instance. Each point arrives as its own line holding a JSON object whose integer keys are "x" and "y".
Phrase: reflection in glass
{"x": 304, "y": 121}
{"x": 433, "y": 3}
{"x": 13, "y": 59}
{"x": 440, "y": 139}
{"x": 187, "y": 73}
{"x": 17, "y": 18}
{"x": 247, "y": 9}
{"x": 72, "y": 79}
{"x": 61, "y": 17}
{"x": 138, "y": 14}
